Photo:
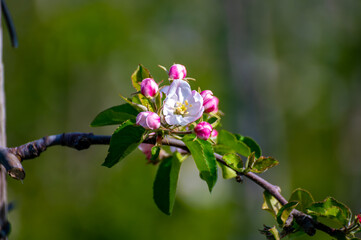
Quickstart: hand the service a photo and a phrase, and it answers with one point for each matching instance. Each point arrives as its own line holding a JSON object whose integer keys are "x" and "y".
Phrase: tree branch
{"x": 10, "y": 158}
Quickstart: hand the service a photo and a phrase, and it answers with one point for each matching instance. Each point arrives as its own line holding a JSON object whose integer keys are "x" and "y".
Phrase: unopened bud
{"x": 206, "y": 95}
{"x": 149, "y": 87}
{"x": 210, "y": 102}
{"x": 148, "y": 120}
{"x": 214, "y": 134}
{"x": 177, "y": 71}
{"x": 146, "y": 148}
{"x": 203, "y": 130}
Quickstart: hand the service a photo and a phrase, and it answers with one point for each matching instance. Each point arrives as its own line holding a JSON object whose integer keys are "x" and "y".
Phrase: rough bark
{"x": 3, "y": 191}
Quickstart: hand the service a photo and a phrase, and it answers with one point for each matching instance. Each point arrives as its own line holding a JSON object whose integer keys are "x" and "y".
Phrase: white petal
{"x": 173, "y": 119}
{"x": 165, "y": 90}
{"x": 178, "y": 85}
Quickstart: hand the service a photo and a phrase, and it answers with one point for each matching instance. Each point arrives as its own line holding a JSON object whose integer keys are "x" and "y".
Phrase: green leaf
{"x": 165, "y": 183}
{"x": 212, "y": 120}
{"x": 332, "y": 209}
{"x": 285, "y": 212}
{"x": 115, "y": 115}
{"x": 262, "y": 164}
{"x": 203, "y": 156}
{"x": 234, "y": 161}
{"x": 271, "y": 204}
{"x": 227, "y": 173}
{"x": 223, "y": 149}
{"x": 137, "y": 77}
{"x": 252, "y": 144}
{"x": 228, "y": 139}
{"x": 124, "y": 140}
{"x": 304, "y": 198}
{"x": 139, "y": 74}
{"x": 155, "y": 153}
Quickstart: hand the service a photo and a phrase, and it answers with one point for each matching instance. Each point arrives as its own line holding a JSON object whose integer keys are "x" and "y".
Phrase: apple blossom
{"x": 203, "y": 130}
{"x": 148, "y": 120}
{"x": 182, "y": 105}
{"x": 149, "y": 87}
{"x": 210, "y": 102}
{"x": 177, "y": 71}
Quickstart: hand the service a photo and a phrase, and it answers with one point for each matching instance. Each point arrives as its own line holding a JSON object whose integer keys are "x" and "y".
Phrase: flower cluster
{"x": 175, "y": 107}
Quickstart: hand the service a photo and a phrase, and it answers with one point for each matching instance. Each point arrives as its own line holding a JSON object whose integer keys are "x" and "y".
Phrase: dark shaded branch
{"x": 9, "y": 23}
{"x": 11, "y": 157}
{"x": 12, "y": 164}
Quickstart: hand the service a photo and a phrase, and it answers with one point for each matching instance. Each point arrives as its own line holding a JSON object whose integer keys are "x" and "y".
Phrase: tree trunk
{"x": 3, "y": 194}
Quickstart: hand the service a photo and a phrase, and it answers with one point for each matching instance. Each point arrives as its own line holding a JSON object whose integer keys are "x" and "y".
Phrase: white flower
{"x": 182, "y": 105}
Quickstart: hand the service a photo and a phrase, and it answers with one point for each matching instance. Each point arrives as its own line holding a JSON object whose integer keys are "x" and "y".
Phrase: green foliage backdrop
{"x": 287, "y": 73}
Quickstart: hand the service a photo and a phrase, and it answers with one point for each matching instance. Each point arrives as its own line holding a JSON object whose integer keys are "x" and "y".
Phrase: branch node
{"x": 12, "y": 164}
{"x": 306, "y": 222}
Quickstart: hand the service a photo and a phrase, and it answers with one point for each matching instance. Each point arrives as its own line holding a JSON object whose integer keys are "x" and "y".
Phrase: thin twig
{"x": 11, "y": 157}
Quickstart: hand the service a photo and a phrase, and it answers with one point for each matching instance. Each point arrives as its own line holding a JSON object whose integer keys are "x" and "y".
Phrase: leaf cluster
{"x": 330, "y": 211}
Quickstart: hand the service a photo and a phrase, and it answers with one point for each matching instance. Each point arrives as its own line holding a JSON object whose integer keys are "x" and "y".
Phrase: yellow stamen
{"x": 181, "y": 109}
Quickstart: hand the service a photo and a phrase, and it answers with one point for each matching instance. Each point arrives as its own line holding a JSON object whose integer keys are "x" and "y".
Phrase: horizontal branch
{"x": 11, "y": 158}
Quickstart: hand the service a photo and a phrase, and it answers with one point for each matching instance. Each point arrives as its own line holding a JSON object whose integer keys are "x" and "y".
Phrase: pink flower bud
{"x": 359, "y": 218}
{"x": 210, "y": 102}
{"x": 146, "y": 148}
{"x": 211, "y": 105}
{"x": 214, "y": 134}
{"x": 177, "y": 71}
{"x": 206, "y": 95}
{"x": 203, "y": 130}
{"x": 148, "y": 120}
{"x": 149, "y": 87}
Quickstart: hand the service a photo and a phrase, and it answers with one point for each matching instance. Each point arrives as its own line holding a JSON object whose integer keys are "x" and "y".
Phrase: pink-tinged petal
{"x": 211, "y": 105}
{"x": 206, "y": 94}
{"x": 146, "y": 148}
{"x": 214, "y": 133}
{"x": 148, "y": 87}
{"x": 153, "y": 121}
{"x": 177, "y": 71}
{"x": 203, "y": 130}
{"x": 140, "y": 120}
{"x": 148, "y": 120}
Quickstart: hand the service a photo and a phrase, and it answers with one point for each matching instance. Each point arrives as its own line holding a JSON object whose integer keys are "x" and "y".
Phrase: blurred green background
{"x": 288, "y": 74}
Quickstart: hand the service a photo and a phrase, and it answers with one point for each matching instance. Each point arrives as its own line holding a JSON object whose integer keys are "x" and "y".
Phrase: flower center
{"x": 181, "y": 108}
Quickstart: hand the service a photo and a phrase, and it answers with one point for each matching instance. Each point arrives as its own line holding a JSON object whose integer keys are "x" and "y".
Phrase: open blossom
{"x": 148, "y": 87}
{"x": 177, "y": 71}
{"x": 203, "y": 130}
{"x": 210, "y": 102}
{"x": 148, "y": 120}
{"x": 182, "y": 105}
